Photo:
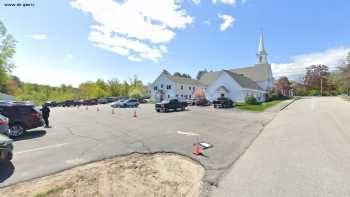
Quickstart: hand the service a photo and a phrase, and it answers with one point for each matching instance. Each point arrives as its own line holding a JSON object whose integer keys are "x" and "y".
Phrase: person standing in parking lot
{"x": 46, "y": 113}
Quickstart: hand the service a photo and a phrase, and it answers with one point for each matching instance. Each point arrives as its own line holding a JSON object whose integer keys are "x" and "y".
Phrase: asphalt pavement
{"x": 304, "y": 152}
{"x": 80, "y": 135}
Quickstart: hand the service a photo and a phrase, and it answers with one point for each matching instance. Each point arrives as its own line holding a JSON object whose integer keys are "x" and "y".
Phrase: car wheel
{"x": 9, "y": 156}
{"x": 16, "y": 130}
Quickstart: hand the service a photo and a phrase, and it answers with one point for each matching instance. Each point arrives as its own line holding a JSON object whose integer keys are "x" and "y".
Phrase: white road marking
{"x": 187, "y": 133}
{"x": 41, "y": 148}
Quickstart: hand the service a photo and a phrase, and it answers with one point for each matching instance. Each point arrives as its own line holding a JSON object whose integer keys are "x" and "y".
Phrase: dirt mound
{"x": 133, "y": 175}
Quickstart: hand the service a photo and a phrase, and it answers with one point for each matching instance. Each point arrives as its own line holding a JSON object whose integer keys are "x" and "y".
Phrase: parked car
{"x": 117, "y": 103}
{"x": 202, "y": 102}
{"x": 102, "y": 101}
{"x": 191, "y": 101}
{"x": 51, "y": 103}
{"x": 68, "y": 103}
{"x": 22, "y": 116}
{"x": 6, "y": 147}
{"x": 4, "y": 125}
{"x": 90, "y": 102}
{"x": 172, "y": 104}
{"x": 223, "y": 102}
{"x": 141, "y": 100}
{"x": 129, "y": 103}
{"x": 111, "y": 99}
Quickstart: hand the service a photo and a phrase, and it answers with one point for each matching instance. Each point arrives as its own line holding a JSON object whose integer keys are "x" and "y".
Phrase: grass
{"x": 260, "y": 107}
{"x": 51, "y": 191}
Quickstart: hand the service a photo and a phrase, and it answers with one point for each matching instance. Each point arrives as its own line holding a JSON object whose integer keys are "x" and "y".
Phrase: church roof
{"x": 259, "y": 72}
{"x": 209, "y": 77}
{"x": 261, "y": 48}
{"x": 242, "y": 80}
{"x": 184, "y": 80}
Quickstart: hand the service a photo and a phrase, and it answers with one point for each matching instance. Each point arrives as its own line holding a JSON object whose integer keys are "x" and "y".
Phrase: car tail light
{"x": 4, "y": 121}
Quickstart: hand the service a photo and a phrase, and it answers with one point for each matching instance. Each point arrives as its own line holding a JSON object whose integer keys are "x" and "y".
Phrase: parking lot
{"x": 81, "y": 135}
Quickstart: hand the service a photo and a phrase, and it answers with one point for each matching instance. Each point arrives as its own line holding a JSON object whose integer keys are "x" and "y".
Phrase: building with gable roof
{"x": 235, "y": 84}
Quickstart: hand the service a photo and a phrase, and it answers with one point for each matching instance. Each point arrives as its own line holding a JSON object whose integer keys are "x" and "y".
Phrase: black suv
{"x": 22, "y": 115}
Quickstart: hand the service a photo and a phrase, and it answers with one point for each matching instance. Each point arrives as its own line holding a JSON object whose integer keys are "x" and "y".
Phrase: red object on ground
{"x": 197, "y": 150}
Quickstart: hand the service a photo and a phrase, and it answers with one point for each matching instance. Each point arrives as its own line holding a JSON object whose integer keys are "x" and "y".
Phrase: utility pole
{"x": 321, "y": 85}
{"x": 321, "y": 79}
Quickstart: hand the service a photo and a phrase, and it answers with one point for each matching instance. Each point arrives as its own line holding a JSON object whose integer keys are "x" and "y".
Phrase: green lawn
{"x": 260, "y": 107}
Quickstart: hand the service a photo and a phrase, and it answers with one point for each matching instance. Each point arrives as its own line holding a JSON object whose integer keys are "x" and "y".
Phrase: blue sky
{"x": 75, "y": 41}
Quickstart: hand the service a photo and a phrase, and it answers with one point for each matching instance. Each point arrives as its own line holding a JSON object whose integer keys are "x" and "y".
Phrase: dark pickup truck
{"x": 172, "y": 104}
{"x": 223, "y": 103}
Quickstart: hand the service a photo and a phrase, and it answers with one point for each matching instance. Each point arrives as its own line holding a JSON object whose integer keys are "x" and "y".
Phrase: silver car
{"x": 4, "y": 125}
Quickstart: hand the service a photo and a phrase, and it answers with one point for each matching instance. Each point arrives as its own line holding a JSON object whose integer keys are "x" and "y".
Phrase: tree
{"x": 165, "y": 72}
{"x": 136, "y": 93}
{"x": 343, "y": 76}
{"x": 177, "y": 74}
{"x": 316, "y": 78}
{"x": 201, "y": 73}
{"x": 283, "y": 86}
{"x": 7, "y": 50}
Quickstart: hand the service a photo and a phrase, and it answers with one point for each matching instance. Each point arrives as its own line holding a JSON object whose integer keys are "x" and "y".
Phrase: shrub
{"x": 251, "y": 100}
{"x": 136, "y": 94}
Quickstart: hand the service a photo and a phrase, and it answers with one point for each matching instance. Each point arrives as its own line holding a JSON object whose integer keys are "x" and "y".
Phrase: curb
{"x": 289, "y": 103}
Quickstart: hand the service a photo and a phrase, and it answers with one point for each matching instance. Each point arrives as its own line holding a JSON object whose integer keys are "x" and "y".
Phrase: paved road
{"x": 304, "y": 152}
{"x": 79, "y": 136}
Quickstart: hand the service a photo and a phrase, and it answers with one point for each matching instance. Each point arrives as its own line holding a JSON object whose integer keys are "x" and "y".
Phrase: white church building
{"x": 235, "y": 84}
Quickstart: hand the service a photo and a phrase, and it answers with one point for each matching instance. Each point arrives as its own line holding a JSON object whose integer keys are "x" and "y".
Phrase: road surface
{"x": 304, "y": 152}
{"x": 83, "y": 135}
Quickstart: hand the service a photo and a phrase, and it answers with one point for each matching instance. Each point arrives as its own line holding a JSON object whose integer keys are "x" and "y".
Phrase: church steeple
{"x": 262, "y": 54}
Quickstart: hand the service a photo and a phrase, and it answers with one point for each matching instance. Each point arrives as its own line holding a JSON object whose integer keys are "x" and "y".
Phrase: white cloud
{"x": 229, "y": 2}
{"x": 227, "y": 21}
{"x": 330, "y": 57}
{"x": 69, "y": 56}
{"x": 244, "y": 1}
{"x": 196, "y": 1}
{"x": 38, "y": 36}
{"x": 136, "y": 29}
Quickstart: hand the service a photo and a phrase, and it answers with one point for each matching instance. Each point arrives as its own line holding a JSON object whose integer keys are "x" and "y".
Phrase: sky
{"x": 73, "y": 41}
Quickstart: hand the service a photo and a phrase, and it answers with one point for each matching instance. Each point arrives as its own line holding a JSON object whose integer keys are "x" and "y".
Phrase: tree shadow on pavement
{"x": 6, "y": 170}
{"x": 31, "y": 135}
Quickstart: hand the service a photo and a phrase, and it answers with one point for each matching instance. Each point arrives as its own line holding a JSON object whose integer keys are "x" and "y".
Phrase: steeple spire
{"x": 262, "y": 54}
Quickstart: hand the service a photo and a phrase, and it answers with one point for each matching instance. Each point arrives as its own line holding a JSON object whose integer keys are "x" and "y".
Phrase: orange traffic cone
{"x": 135, "y": 114}
{"x": 197, "y": 150}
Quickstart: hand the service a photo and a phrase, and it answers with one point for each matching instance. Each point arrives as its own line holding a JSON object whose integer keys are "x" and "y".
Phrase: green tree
{"x": 7, "y": 50}
{"x": 342, "y": 77}
{"x": 201, "y": 73}
{"x": 136, "y": 93}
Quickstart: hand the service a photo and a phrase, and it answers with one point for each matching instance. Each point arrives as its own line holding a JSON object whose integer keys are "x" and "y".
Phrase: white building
{"x": 261, "y": 72}
{"x": 235, "y": 84}
{"x": 228, "y": 84}
{"x": 167, "y": 86}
